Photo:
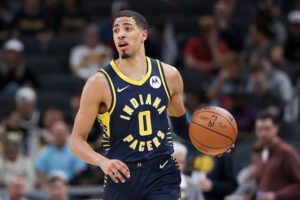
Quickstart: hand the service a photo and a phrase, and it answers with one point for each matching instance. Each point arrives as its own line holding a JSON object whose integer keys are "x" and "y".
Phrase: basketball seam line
{"x": 212, "y": 131}
{"x": 223, "y": 118}
{"x": 208, "y": 146}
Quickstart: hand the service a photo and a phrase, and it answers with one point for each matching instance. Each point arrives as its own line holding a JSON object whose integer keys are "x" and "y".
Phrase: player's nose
{"x": 122, "y": 34}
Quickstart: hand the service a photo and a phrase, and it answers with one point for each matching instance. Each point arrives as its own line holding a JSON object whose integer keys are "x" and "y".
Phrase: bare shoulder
{"x": 97, "y": 87}
{"x": 170, "y": 72}
{"x": 173, "y": 78}
{"x": 97, "y": 79}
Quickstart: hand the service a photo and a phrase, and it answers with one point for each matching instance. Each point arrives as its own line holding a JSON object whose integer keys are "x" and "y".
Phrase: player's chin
{"x": 125, "y": 55}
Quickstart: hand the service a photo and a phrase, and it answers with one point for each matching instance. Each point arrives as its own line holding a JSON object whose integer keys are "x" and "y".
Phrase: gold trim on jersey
{"x": 162, "y": 79}
{"x": 113, "y": 91}
{"x": 129, "y": 80}
{"x": 104, "y": 119}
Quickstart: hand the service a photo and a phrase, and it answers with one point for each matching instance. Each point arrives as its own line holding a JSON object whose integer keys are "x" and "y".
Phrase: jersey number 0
{"x": 145, "y": 123}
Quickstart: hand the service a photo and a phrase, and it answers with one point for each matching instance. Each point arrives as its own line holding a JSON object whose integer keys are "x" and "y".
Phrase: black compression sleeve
{"x": 180, "y": 126}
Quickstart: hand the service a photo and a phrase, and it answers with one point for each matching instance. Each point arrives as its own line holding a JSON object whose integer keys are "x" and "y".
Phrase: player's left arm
{"x": 175, "y": 85}
{"x": 176, "y": 110}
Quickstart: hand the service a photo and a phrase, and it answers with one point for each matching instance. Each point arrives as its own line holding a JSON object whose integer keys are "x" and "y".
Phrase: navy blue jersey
{"x": 136, "y": 125}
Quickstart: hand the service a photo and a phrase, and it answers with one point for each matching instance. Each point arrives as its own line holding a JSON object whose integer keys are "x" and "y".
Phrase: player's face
{"x": 265, "y": 130}
{"x": 128, "y": 37}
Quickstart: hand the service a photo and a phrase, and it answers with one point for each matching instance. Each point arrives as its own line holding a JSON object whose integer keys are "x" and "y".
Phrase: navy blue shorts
{"x": 156, "y": 179}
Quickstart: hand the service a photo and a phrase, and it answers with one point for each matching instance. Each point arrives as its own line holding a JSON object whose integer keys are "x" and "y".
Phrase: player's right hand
{"x": 114, "y": 168}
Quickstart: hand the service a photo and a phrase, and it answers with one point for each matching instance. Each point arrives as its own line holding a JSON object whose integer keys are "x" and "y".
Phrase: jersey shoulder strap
{"x": 107, "y": 71}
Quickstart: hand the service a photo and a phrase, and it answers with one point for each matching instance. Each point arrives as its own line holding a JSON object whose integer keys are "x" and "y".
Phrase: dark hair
{"x": 139, "y": 19}
{"x": 263, "y": 115}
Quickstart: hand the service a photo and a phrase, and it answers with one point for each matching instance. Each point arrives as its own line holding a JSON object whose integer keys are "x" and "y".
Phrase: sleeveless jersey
{"x": 136, "y": 125}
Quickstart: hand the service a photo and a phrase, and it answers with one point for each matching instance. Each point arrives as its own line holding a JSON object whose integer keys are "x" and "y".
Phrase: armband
{"x": 180, "y": 126}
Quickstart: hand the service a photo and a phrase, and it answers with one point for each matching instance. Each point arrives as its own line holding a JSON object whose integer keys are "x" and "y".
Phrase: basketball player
{"x": 131, "y": 97}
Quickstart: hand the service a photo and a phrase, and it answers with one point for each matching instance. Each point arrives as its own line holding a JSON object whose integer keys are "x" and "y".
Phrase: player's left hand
{"x": 267, "y": 196}
{"x": 228, "y": 150}
{"x": 205, "y": 184}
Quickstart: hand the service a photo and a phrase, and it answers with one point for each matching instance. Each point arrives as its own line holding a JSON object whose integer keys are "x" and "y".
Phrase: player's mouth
{"x": 123, "y": 46}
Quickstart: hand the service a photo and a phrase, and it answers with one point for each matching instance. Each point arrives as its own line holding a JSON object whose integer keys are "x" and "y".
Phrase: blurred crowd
{"x": 241, "y": 55}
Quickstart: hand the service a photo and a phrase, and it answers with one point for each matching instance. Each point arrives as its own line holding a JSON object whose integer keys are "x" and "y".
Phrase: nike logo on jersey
{"x": 163, "y": 165}
{"x": 124, "y": 88}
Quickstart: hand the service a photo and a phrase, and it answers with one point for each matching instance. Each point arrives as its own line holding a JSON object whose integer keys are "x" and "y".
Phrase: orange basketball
{"x": 212, "y": 130}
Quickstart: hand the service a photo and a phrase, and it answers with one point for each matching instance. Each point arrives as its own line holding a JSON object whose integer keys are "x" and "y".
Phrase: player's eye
{"x": 115, "y": 30}
{"x": 128, "y": 28}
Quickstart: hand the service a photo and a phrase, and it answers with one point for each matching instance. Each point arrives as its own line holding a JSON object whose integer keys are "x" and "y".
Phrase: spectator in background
{"x": 29, "y": 136}
{"x": 50, "y": 117}
{"x": 262, "y": 43}
{"x": 266, "y": 15}
{"x": 57, "y": 156}
{"x": 189, "y": 189}
{"x": 292, "y": 108}
{"x": 13, "y": 73}
{"x": 57, "y": 186}
{"x": 32, "y": 21}
{"x": 231, "y": 78}
{"x": 277, "y": 172}
{"x": 205, "y": 52}
{"x": 246, "y": 179}
{"x": 215, "y": 176}
{"x": 71, "y": 19}
{"x": 26, "y": 103}
{"x": 260, "y": 96}
{"x": 14, "y": 162}
{"x": 12, "y": 123}
{"x": 228, "y": 26}
{"x": 86, "y": 58}
{"x": 268, "y": 12}
{"x": 278, "y": 81}
{"x": 292, "y": 46}
{"x": 14, "y": 188}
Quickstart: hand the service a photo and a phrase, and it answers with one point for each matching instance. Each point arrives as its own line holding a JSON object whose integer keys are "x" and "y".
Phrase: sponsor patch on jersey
{"x": 155, "y": 82}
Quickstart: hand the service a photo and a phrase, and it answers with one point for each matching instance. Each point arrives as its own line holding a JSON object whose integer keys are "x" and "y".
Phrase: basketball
{"x": 212, "y": 130}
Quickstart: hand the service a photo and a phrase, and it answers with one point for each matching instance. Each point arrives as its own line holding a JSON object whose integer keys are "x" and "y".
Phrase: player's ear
{"x": 144, "y": 35}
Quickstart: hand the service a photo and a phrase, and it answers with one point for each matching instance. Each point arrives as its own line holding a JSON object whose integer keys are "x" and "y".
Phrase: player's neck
{"x": 134, "y": 67}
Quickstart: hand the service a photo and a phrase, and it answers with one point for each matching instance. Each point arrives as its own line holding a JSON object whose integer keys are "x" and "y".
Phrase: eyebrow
{"x": 125, "y": 23}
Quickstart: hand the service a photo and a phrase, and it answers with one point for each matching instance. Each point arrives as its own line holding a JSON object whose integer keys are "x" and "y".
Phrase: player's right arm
{"x": 96, "y": 92}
